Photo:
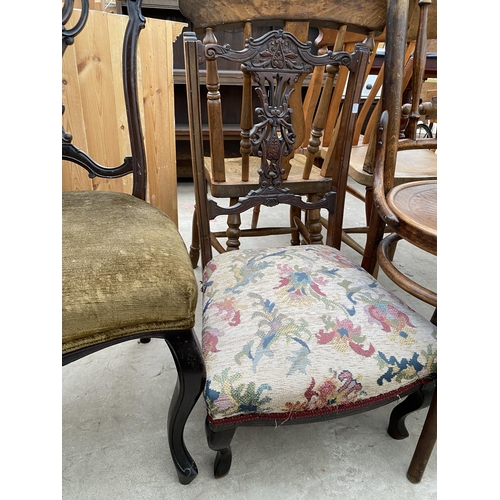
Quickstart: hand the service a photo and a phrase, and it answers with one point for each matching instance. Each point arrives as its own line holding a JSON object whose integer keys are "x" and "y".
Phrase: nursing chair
{"x": 126, "y": 273}
{"x": 230, "y": 177}
{"x": 293, "y": 334}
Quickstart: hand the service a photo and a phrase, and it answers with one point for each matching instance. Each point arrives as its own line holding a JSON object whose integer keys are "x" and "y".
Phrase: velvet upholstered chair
{"x": 294, "y": 334}
{"x": 126, "y": 273}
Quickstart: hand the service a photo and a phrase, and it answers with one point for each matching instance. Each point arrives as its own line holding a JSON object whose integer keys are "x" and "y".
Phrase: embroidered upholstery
{"x": 267, "y": 356}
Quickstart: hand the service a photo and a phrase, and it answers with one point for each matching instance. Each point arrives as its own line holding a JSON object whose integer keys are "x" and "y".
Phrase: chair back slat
{"x": 361, "y": 16}
{"x": 214, "y": 111}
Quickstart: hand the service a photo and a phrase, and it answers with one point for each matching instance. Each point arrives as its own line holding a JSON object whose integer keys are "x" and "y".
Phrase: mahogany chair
{"x": 126, "y": 273}
{"x": 293, "y": 334}
{"x": 231, "y": 177}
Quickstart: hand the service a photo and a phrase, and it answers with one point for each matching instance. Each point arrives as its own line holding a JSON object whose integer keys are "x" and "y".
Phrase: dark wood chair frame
{"x": 270, "y": 140}
{"x": 183, "y": 344}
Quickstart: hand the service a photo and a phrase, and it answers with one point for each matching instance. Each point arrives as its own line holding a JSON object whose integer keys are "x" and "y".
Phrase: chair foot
{"x": 221, "y": 443}
{"x": 415, "y": 401}
{"x": 186, "y": 352}
{"x": 425, "y": 444}
{"x": 194, "y": 256}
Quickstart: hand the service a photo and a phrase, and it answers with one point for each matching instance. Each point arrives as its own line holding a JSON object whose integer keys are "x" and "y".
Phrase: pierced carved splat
{"x": 275, "y": 62}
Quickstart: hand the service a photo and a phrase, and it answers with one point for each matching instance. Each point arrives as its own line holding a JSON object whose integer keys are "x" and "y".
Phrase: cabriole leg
{"x": 191, "y": 373}
{"x": 220, "y": 442}
{"x": 415, "y": 401}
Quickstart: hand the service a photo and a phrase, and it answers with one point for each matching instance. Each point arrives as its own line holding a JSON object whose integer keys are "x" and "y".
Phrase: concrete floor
{"x": 115, "y": 405}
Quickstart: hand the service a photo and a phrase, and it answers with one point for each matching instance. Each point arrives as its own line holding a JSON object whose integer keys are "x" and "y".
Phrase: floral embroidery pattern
{"x": 303, "y": 329}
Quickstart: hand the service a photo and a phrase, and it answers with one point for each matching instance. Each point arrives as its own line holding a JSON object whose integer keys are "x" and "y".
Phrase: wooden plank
{"x": 156, "y": 66}
{"x": 95, "y": 108}
{"x": 74, "y": 177}
{"x": 102, "y": 105}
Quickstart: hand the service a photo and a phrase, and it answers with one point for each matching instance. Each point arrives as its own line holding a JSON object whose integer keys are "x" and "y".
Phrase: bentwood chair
{"x": 409, "y": 210}
{"x": 294, "y": 334}
{"x": 230, "y": 177}
{"x": 412, "y": 165}
{"x": 126, "y": 273}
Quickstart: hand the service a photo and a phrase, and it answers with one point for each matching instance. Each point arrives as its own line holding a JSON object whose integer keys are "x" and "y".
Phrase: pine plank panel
{"x": 74, "y": 177}
{"x": 156, "y": 67}
{"x": 97, "y": 118}
{"x": 99, "y": 86}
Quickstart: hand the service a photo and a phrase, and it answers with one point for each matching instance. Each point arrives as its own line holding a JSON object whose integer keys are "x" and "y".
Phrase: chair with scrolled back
{"x": 293, "y": 334}
{"x": 126, "y": 273}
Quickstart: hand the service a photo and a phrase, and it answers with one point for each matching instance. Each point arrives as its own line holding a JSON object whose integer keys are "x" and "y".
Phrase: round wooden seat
{"x": 415, "y": 205}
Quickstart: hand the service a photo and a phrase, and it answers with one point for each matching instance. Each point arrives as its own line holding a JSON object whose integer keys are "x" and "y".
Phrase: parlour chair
{"x": 231, "y": 177}
{"x": 409, "y": 210}
{"x": 126, "y": 273}
{"x": 293, "y": 334}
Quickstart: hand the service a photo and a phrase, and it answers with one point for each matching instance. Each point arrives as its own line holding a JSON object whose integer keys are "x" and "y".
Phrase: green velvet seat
{"x": 134, "y": 277}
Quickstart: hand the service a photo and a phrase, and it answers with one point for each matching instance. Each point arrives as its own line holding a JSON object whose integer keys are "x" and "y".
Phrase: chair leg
{"x": 314, "y": 222}
{"x": 294, "y": 212}
{"x": 425, "y": 444}
{"x": 233, "y": 231}
{"x": 255, "y": 216}
{"x": 220, "y": 441}
{"x": 188, "y": 359}
{"x": 415, "y": 401}
{"x": 194, "y": 250}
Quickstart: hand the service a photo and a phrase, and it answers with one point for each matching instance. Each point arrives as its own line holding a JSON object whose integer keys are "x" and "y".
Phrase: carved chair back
{"x": 231, "y": 179}
{"x": 73, "y": 22}
{"x": 274, "y": 63}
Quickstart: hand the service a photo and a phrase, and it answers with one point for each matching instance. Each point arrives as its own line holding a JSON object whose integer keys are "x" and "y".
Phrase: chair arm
{"x": 378, "y": 174}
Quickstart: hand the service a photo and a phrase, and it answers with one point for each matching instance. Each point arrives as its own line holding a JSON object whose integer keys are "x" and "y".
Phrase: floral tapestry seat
{"x": 302, "y": 331}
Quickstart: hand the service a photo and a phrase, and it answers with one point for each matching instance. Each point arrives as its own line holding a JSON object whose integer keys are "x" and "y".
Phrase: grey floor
{"x": 115, "y": 404}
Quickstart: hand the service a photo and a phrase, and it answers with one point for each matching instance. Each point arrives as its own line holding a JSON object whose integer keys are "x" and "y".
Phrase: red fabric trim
{"x": 320, "y": 411}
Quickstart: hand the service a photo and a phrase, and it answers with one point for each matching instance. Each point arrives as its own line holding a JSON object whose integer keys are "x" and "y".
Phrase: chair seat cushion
{"x": 125, "y": 270}
{"x": 302, "y": 331}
